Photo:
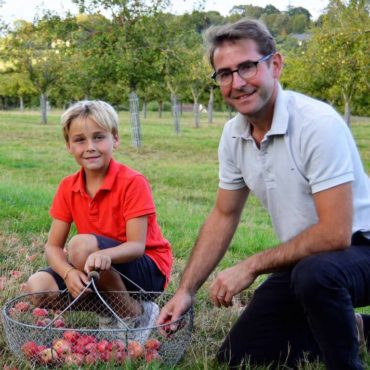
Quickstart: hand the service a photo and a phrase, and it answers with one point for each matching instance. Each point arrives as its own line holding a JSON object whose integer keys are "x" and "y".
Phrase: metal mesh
{"x": 35, "y": 322}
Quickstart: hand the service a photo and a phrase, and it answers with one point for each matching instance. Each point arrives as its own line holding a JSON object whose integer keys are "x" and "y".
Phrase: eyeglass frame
{"x": 255, "y": 63}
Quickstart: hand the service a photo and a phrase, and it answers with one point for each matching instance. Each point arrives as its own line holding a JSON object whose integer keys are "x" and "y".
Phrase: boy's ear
{"x": 68, "y": 147}
{"x": 115, "y": 141}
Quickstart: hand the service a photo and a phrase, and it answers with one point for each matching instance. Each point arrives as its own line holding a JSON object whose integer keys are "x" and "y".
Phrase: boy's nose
{"x": 90, "y": 145}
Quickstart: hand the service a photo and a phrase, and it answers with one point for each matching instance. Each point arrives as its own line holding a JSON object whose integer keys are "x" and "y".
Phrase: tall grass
{"x": 182, "y": 170}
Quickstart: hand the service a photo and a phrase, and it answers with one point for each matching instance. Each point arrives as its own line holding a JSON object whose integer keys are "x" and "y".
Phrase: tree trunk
{"x": 21, "y": 104}
{"x": 210, "y": 105}
{"x": 196, "y": 113}
{"x": 160, "y": 108}
{"x": 135, "y": 120}
{"x": 175, "y": 113}
{"x": 347, "y": 112}
{"x": 43, "y": 107}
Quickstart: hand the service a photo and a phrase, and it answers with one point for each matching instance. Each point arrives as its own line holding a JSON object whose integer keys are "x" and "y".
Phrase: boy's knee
{"x": 80, "y": 247}
{"x": 41, "y": 281}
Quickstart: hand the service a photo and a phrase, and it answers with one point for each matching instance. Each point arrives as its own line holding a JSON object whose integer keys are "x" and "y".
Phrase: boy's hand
{"x": 76, "y": 282}
{"x": 97, "y": 262}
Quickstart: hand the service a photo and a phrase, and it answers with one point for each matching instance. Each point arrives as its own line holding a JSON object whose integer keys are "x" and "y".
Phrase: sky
{"x": 26, "y": 9}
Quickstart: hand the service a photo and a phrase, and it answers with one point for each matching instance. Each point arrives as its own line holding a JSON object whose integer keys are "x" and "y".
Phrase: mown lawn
{"x": 182, "y": 170}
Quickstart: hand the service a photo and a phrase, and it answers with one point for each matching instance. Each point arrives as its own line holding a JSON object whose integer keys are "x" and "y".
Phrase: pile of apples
{"x": 75, "y": 348}
{"x": 41, "y": 315}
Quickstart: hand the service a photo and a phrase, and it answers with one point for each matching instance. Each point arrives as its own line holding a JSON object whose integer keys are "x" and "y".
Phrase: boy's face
{"x": 91, "y": 145}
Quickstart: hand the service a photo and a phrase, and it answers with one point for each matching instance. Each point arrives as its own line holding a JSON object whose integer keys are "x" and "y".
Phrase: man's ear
{"x": 277, "y": 64}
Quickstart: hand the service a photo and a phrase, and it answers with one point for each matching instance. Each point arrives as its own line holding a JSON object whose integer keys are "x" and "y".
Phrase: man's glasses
{"x": 245, "y": 70}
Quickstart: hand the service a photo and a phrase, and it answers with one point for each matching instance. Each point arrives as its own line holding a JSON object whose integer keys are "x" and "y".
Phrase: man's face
{"x": 254, "y": 96}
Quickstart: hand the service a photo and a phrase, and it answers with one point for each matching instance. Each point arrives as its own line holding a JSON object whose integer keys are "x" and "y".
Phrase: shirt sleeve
{"x": 230, "y": 175}
{"x": 327, "y": 160}
{"x": 60, "y": 208}
{"x": 138, "y": 198}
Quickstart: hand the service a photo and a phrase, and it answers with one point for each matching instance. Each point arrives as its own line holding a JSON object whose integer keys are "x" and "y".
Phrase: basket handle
{"x": 93, "y": 275}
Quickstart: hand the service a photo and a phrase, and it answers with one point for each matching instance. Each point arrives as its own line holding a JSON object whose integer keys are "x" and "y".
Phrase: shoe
{"x": 146, "y": 322}
{"x": 360, "y": 332}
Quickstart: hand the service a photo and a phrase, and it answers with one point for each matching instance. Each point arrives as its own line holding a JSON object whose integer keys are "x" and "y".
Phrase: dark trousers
{"x": 305, "y": 313}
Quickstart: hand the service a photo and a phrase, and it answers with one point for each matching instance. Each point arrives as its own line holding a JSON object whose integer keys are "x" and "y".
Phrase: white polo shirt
{"x": 309, "y": 148}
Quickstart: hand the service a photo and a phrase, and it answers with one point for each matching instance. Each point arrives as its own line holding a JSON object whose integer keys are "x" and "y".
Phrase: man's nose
{"x": 237, "y": 81}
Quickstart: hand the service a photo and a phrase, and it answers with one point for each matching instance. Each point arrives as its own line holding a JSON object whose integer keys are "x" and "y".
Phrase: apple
{"x": 71, "y": 336}
{"x": 30, "y": 349}
{"x": 40, "y": 312}
{"x": 135, "y": 350}
{"x": 85, "y": 339}
{"x": 152, "y": 343}
{"x": 91, "y": 347}
{"x": 91, "y": 358}
{"x": 22, "y": 306}
{"x": 152, "y": 355}
{"x": 74, "y": 359}
{"x": 116, "y": 345}
{"x": 59, "y": 323}
{"x": 102, "y": 345}
{"x": 62, "y": 347}
{"x": 78, "y": 348}
{"x": 43, "y": 322}
{"x": 119, "y": 356}
{"x": 48, "y": 356}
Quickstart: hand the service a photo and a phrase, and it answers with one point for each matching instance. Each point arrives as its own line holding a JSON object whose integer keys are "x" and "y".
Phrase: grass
{"x": 182, "y": 170}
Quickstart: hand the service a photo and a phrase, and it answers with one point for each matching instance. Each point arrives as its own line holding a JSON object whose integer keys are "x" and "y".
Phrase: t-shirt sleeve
{"x": 327, "y": 159}
{"x": 230, "y": 175}
{"x": 138, "y": 198}
{"x": 60, "y": 208}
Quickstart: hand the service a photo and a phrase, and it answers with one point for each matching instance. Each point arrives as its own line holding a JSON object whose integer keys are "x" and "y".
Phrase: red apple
{"x": 22, "y": 306}
{"x": 91, "y": 347}
{"x": 78, "y": 348}
{"x": 152, "y": 343}
{"x": 59, "y": 323}
{"x": 91, "y": 358}
{"x": 30, "y": 349}
{"x": 62, "y": 347}
{"x": 152, "y": 355}
{"x": 116, "y": 345}
{"x": 74, "y": 359}
{"x": 43, "y": 322}
{"x": 102, "y": 345}
{"x": 71, "y": 336}
{"x": 85, "y": 339}
{"x": 48, "y": 356}
{"x": 40, "y": 312}
{"x": 135, "y": 350}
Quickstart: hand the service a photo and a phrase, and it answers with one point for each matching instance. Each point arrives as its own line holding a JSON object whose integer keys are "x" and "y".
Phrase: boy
{"x": 112, "y": 208}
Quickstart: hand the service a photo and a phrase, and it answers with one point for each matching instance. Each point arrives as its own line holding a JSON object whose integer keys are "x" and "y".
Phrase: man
{"x": 298, "y": 157}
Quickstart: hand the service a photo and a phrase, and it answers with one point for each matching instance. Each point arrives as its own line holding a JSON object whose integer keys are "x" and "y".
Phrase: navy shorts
{"x": 142, "y": 271}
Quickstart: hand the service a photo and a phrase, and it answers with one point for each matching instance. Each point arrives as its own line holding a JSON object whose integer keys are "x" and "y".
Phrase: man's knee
{"x": 80, "y": 247}
{"x": 313, "y": 275}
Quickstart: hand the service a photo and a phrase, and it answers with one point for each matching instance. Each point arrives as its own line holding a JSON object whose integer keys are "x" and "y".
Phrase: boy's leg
{"x": 328, "y": 286}
{"x": 272, "y": 328}
{"x": 41, "y": 281}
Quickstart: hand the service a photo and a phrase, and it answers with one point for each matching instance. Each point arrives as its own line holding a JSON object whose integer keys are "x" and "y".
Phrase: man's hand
{"x": 97, "y": 262}
{"x": 76, "y": 282}
{"x": 230, "y": 282}
{"x": 173, "y": 310}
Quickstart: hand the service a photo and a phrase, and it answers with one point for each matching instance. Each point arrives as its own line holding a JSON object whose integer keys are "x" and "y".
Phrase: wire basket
{"x": 52, "y": 328}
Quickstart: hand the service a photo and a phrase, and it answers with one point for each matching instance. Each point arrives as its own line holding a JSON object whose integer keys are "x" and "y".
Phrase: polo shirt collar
{"x": 279, "y": 122}
{"x": 110, "y": 177}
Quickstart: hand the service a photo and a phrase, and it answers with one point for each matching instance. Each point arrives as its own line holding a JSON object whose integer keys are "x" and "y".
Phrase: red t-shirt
{"x": 124, "y": 194}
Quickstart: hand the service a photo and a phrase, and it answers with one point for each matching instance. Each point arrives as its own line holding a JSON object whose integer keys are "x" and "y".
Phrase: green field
{"x": 183, "y": 172}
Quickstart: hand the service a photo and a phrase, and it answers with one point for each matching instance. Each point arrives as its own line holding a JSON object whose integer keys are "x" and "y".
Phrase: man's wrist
{"x": 67, "y": 272}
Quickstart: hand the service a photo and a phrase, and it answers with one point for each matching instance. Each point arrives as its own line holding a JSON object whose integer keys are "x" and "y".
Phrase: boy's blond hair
{"x": 99, "y": 111}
